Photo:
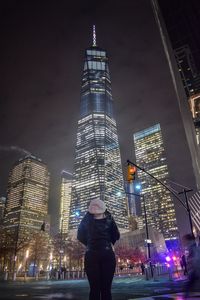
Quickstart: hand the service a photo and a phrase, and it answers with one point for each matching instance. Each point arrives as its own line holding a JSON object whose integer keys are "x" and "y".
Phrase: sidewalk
{"x": 178, "y": 296}
{"x": 123, "y": 288}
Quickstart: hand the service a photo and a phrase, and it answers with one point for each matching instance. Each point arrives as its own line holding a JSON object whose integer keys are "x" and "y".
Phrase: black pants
{"x": 100, "y": 268}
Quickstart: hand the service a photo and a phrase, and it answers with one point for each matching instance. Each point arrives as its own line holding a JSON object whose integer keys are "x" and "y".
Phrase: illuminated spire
{"x": 94, "y": 37}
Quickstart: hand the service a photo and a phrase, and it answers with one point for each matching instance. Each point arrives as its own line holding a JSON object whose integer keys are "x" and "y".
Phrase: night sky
{"x": 41, "y": 63}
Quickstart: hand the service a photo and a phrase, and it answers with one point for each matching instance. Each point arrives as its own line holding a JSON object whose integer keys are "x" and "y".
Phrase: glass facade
{"x": 187, "y": 69}
{"x": 195, "y": 109}
{"x": 177, "y": 33}
{"x": 27, "y": 197}
{"x": 2, "y": 208}
{"x": 194, "y": 203}
{"x": 65, "y": 200}
{"x": 150, "y": 155}
{"x": 97, "y": 169}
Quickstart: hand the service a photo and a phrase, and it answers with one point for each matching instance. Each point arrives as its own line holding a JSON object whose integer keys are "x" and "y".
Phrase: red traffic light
{"x": 131, "y": 170}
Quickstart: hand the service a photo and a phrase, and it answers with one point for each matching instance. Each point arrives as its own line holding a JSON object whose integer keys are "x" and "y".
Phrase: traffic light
{"x": 131, "y": 170}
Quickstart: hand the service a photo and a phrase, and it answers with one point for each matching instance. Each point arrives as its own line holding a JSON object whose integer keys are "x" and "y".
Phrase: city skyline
{"x": 40, "y": 80}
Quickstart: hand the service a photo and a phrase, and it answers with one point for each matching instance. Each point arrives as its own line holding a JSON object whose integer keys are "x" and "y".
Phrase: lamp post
{"x": 26, "y": 258}
{"x": 50, "y": 262}
{"x": 148, "y": 241}
{"x": 61, "y": 245}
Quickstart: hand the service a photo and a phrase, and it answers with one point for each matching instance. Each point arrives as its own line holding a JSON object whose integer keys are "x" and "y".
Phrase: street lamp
{"x": 77, "y": 213}
{"x": 61, "y": 245}
{"x": 138, "y": 186}
{"x": 51, "y": 256}
{"x": 119, "y": 193}
{"x": 26, "y": 258}
{"x": 148, "y": 241}
{"x": 50, "y": 261}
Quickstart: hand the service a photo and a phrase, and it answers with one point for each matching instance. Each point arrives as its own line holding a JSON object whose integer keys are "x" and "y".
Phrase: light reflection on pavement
{"x": 179, "y": 296}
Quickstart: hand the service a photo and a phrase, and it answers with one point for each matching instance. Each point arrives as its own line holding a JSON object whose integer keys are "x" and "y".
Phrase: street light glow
{"x": 138, "y": 186}
{"x": 168, "y": 258}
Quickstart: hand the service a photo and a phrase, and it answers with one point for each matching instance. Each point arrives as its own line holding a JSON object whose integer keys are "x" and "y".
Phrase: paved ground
{"x": 124, "y": 288}
{"x": 177, "y": 296}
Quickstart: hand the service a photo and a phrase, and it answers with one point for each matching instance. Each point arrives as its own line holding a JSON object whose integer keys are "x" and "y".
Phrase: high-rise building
{"x": 27, "y": 198}
{"x": 191, "y": 82}
{"x": 65, "y": 200}
{"x": 97, "y": 169}
{"x": 194, "y": 101}
{"x": 182, "y": 21}
{"x": 187, "y": 70}
{"x": 2, "y": 208}
{"x": 150, "y": 155}
{"x": 178, "y": 23}
{"x": 194, "y": 203}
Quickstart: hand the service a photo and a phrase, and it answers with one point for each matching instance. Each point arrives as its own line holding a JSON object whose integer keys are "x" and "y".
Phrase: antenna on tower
{"x": 94, "y": 42}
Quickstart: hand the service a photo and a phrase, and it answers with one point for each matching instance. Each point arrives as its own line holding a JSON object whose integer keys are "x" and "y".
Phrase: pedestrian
{"x": 193, "y": 262}
{"x": 184, "y": 264}
{"x": 142, "y": 268}
{"x": 98, "y": 232}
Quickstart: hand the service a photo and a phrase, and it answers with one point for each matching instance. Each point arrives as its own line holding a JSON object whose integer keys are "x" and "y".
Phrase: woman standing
{"x": 98, "y": 232}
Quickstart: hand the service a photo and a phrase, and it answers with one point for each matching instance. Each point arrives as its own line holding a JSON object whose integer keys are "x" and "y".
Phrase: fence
{"x": 157, "y": 271}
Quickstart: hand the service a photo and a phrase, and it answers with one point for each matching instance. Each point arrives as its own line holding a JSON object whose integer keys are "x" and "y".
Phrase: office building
{"x": 194, "y": 203}
{"x": 2, "y": 208}
{"x": 27, "y": 198}
{"x": 97, "y": 168}
{"x": 194, "y": 101}
{"x": 178, "y": 23}
{"x": 182, "y": 21}
{"x": 65, "y": 200}
{"x": 150, "y": 155}
{"x": 188, "y": 71}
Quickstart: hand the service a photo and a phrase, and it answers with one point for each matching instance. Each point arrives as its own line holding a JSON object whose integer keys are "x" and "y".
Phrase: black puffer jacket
{"x": 98, "y": 233}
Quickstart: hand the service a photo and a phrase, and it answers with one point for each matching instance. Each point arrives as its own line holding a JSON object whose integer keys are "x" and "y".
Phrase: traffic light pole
{"x": 187, "y": 208}
{"x": 147, "y": 230}
{"x": 167, "y": 188}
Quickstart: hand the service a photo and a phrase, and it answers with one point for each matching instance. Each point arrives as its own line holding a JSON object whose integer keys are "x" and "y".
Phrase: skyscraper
{"x": 194, "y": 203}
{"x": 97, "y": 168}
{"x": 150, "y": 155}
{"x": 2, "y": 208}
{"x": 182, "y": 20}
{"x": 178, "y": 26}
{"x": 182, "y": 24}
{"x": 27, "y": 197}
{"x": 191, "y": 82}
{"x": 194, "y": 101}
{"x": 187, "y": 70}
{"x": 65, "y": 200}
